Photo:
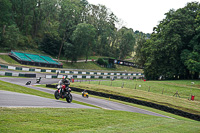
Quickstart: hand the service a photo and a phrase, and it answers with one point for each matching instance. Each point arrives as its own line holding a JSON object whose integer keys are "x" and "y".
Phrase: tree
{"x": 5, "y": 18}
{"x": 69, "y": 17}
{"x": 172, "y": 50}
{"x": 51, "y": 43}
{"x": 140, "y": 49}
{"x": 13, "y": 38}
{"x": 84, "y": 39}
{"x": 103, "y": 21}
{"x": 126, "y": 42}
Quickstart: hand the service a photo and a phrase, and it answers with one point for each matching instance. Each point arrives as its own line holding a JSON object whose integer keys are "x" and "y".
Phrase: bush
{"x": 100, "y": 61}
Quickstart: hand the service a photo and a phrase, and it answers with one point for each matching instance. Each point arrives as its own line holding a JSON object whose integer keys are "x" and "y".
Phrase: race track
{"x": 13, "y": 99}
{"x": 105, "y": 104}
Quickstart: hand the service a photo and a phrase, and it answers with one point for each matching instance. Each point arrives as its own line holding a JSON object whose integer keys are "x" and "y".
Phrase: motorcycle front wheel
{"x": 56, "y": 94}
{"x": 69, "y": 98}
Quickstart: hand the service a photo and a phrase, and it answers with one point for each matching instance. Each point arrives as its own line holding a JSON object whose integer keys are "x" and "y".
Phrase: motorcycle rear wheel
{"x": 69, "y": 98}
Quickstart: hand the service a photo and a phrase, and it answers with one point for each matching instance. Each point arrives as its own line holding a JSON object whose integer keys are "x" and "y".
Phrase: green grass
{"x": 94, "y": 66}
{"x": 8, "y": 59}
{"x": 184, "y": 87}
{"x": 88, "y": 120}
{"x": 154, "y": 95}
{"x": 84, "y": 120}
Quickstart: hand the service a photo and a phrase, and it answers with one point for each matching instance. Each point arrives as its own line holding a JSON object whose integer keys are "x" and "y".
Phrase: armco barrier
{"x": 17, "y": 74}
{"x": 30, "y": 75}
{"x": 140, "y": 102}
{"x": 76, "y": 72}
{"x": 90, "y": 77}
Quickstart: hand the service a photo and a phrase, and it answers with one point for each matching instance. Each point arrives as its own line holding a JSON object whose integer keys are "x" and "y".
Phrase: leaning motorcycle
{"x": 63, "y": 92}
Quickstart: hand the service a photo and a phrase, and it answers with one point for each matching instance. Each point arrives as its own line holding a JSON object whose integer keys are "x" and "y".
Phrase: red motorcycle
{"x": 63, "y": 91}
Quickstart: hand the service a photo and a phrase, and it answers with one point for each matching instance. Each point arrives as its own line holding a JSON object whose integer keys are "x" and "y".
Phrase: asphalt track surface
{"x": 35, "y": 101}
{"x": 13, "y": 99}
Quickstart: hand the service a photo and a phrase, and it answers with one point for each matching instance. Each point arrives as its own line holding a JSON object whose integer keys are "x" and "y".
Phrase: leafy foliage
{"x": 50, "y": 44}
{"x": 173, "y": 50}
{"x": 69, "y": 28}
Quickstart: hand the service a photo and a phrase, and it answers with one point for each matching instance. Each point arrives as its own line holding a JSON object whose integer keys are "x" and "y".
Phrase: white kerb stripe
{"x": 60, "y": 76}
{"x": 48, "y": 71}
{"x": 15, "y": 74}
{"x": 92, "y": 73}
{"x": 48, "y": 76}
{"x": 11, "y": 67}
{"x": 66, "y": 71}
{"x": 2, "y": 73}
{"x": 69, "y": 76}
{"x": 25, "y": 69}
{"x": 88, "y": 77}
{"x": 79, "y": 77}
{"x": 38, "y": 70}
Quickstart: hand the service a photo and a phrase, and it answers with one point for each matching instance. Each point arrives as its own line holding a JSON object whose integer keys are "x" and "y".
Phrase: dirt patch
{"x": 3, "y": 61}
{"x": 3, "y": 53}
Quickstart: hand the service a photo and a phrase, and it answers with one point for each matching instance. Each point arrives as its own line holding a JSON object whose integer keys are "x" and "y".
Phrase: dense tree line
{"x": 173, "y": 51}
{"x": 69, "y": 28}
{"x": 76, "y": 28}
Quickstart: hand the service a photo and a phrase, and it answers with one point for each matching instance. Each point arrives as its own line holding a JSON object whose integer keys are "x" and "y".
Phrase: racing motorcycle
{"x": 85, "y": 94}
{"x": 63, "y": 91}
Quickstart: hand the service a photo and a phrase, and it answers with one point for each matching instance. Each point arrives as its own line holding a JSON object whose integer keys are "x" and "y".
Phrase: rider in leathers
{"x": 66, "y": 82}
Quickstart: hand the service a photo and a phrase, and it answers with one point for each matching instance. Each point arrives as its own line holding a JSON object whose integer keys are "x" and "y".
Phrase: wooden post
{"x": 149, "y": 89}
{"x": 162, "y": 90}
{"x": 135, "y": 86}
{"x": 110, "y": 83}
{"x": 122, "y": 85}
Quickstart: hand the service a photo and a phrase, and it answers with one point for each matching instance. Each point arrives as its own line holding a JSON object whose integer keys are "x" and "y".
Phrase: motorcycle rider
{"x": 66, "y": 82}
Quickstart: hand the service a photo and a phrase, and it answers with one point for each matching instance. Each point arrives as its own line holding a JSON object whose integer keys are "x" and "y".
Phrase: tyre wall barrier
{"x": 17, "y": 74}
{"x": 51, "y": 86}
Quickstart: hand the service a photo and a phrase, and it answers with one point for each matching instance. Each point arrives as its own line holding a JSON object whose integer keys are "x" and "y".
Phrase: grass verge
{"x": 167, "y": 100}
{"x": 88, "y": 120}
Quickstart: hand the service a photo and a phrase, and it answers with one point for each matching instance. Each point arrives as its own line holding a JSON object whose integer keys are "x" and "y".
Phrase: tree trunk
{"x": 196, "y": 75}
{"x": 4, "y": 30}
{"x": 63, "y": 40}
